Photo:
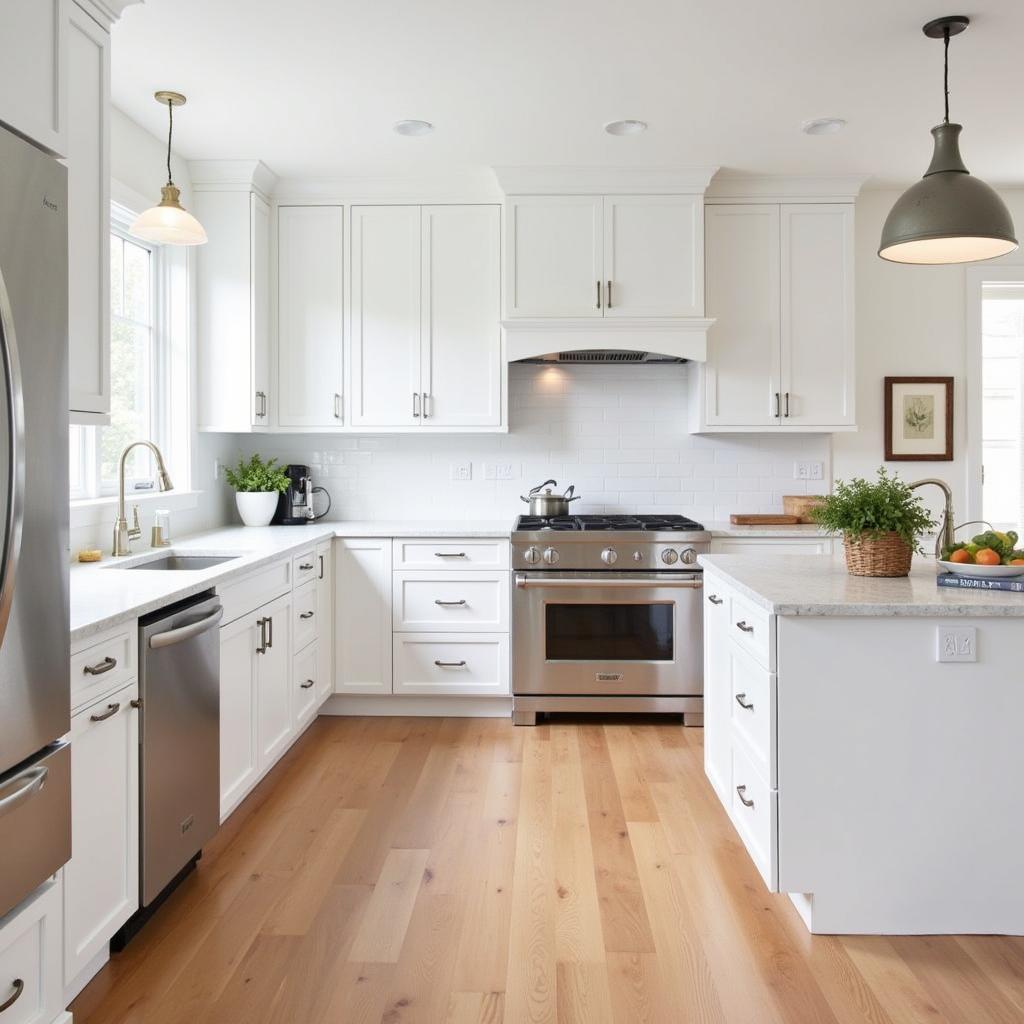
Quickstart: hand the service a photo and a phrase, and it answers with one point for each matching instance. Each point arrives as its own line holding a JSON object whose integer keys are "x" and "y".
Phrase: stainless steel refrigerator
{"x": 35, "y": 765}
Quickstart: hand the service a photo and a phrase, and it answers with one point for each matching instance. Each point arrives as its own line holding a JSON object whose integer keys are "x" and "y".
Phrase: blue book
{"x": 1012, "y": 584}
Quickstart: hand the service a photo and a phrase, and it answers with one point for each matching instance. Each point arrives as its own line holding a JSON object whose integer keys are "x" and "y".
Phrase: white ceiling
{"x": 312, "y": 87}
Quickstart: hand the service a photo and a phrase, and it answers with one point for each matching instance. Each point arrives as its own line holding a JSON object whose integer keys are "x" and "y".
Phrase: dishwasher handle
{"x": 176, "y": 636}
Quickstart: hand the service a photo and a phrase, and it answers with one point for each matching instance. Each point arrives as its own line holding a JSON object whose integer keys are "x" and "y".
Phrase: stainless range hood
{"x": 604, "y": 356}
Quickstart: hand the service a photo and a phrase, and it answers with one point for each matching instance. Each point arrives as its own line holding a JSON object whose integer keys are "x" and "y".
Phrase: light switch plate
{"x": 501, "y": 471}
{"x": 461, "y": 471}
{"x": 956, "y": 643}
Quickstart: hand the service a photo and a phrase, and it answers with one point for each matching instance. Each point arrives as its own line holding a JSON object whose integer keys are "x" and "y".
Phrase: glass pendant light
{"x": 949, "y": 216}
{"x": 169, "y": 222}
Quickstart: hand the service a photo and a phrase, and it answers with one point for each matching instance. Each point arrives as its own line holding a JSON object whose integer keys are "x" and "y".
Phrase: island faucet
{"x": 122, "y": 534}
{"x": 945, "y": 538}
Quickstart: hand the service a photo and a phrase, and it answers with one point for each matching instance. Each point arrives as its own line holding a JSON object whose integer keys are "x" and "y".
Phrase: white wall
{"x": 138, "y": 164}
{"x": 617, "y": 432}
{"x": 910, "y": 322}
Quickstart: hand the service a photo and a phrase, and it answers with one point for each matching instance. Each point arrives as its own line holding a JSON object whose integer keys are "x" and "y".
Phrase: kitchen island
{"x": 865, "y": 738}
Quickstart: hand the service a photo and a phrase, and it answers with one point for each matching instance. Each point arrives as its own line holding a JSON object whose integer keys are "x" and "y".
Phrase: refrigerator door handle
{"x": 14, "y": 511}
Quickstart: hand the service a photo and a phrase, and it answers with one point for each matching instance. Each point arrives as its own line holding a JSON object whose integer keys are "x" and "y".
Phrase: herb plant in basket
{"x": 881, "y": 524}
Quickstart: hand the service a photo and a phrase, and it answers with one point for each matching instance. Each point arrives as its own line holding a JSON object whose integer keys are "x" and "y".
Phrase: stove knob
{"x": 688, "y": 556}
{"x": 609, "y": 556}
{"x": 638, "y": 556}
{"x": 550, "y": 556}
{"x": 531, "y": 555}
{"x": 669, "y": 556}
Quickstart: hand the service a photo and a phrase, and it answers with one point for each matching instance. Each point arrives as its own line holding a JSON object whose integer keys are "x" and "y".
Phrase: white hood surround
{"x": 666, "y": 320}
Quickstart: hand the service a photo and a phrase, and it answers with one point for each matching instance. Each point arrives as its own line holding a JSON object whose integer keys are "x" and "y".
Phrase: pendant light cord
{"x": 170, "y": 128}
{"x": 945, "y": 76}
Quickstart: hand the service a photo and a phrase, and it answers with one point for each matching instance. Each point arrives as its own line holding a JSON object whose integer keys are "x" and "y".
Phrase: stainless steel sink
{"x": 183, "y": 563}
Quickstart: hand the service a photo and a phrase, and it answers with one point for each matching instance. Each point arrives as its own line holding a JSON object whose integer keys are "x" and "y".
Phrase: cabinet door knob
{"x": 608, "y": 297}
{"x": 741, "y": 792}
{"x": 787, "y": 404}
{"x": 778, "y": 411}
{"x": 337, "y": 406}
{"x": 307, "y": 684}
{"x": 321, "y": 576}
{"x": 598, "y": 295}
{"x": 715, "y": 599}
{"x": 306, "y": 615}
{"x": 743, "y": 627}
{"x": 742, "y": 704}
{"x": 415, "y": 405}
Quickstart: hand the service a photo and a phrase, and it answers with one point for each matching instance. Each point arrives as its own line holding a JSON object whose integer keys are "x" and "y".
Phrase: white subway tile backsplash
{"x": 618, "y": 433}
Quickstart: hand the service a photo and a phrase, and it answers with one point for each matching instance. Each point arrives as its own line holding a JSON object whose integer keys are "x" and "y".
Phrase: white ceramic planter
{"x": 256, "y": 507}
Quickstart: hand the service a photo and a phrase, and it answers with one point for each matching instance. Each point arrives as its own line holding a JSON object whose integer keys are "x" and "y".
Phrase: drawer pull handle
{"x": 19, "y": 986}
{"x": 305, "y": 566}
{"x": 715, "y": 599}
{"x": 740, "y": 791}
{"x": 742, "y": 703}
{"x": 306, "y": 615}
{"x": 307, "y": 684}
{"x": 449, "y": 554}
{"x": 743, "y": 627}
{"x": 98, "y": 669}
{"x": 449, "y": 604}
{"x": 321, "y": 576}
{"x": 112, "y": 709}
{"x": 450, "y": 664}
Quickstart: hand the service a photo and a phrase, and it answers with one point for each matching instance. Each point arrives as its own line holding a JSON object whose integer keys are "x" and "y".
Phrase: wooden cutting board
{"x": 801, "y": 505}
{"x": 742, "y": 519}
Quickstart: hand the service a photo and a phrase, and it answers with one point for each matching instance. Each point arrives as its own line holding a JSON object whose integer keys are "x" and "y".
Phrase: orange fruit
{"x": 961, "y": 555}
{"x": 986, "y": 556}
{"x": 1017, "y": 561}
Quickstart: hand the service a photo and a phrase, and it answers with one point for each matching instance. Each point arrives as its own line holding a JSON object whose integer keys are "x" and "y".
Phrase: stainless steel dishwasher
{"x": 179, "y": 739}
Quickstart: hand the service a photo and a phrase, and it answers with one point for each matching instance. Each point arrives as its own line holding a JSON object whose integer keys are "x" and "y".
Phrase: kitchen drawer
{"x": 752, "y": 710}
{"x": 305, "y": 615}
{"x": 305, "y": 567}
{"x": 478, "y": 553}
{"x": 752, "y": 627}
{"x": 305, "y": 689}
{"x": 244, "y": 595}
{"x": 451, "y": 664}
{"x": 754, "y": 810}
{"x": 30, "y": 941}
{"x": 450, "y": 602}
{"x": 105, "y": 665}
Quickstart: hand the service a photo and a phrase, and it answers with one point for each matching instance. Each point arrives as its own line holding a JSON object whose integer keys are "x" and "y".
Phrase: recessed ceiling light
{"x": 627, "y": 127}
{"x": 413, "y": 127}
{"x": 823, "y": 126}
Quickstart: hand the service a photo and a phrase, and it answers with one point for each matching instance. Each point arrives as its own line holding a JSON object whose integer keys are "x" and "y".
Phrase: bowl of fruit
{"x": 992, "y": 554}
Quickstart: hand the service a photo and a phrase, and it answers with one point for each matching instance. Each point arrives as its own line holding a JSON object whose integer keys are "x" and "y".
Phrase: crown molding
{"x": 730, "y": 186}
{"x": 604, "y": 180}
{"x": 107, "y": 11}
{"x": 467, "y": 185}
{"x": 232, "y": 176}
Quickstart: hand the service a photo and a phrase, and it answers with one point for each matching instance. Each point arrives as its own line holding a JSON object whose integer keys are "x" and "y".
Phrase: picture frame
{"x": 918, "y": 419}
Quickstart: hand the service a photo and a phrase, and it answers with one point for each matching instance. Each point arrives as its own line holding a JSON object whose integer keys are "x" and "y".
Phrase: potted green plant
{"x": 257, "y": 485}
{"x": 881, "y": 524}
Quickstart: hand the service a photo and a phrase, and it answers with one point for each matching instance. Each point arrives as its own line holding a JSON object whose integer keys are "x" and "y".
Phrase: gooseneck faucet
{"x": 122, "y": 534}
{"x": 945, "y": 539}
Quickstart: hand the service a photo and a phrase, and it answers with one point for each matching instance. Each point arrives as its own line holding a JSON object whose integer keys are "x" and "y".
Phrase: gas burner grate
{"x": 596, "y": 523}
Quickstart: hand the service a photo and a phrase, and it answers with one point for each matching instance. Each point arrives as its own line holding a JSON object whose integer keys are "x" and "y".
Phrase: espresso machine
{"x": 295, "y": 506}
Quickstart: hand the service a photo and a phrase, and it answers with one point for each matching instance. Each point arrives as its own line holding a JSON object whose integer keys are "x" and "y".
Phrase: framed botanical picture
{"x": 918, "y": 419}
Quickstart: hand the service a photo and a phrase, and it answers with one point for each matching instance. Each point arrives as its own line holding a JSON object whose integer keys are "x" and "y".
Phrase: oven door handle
{"x": 688, "y": 584}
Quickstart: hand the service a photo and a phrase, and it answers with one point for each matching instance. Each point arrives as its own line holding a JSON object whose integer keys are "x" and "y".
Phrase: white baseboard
{"x": 419, "y": 707}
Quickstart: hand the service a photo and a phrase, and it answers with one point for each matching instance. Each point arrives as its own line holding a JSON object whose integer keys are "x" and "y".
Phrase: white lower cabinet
{"x": 451, "y": 664}
{"x": 101, "y": 881}
{"x": 273, "y": 675}
{"x": 717, "y": 761}
{"x": 30, "y": 967}
{"x": 362, "y": 616}
{"x": 772, "y": 545}
{"x": 239, "y": 753}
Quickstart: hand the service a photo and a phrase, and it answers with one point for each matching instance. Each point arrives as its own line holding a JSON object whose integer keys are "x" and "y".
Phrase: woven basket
{"x": 888, "y": 554}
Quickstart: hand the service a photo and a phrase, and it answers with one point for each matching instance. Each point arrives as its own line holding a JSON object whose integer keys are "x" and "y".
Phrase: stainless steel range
{"x": 607, "y": 615}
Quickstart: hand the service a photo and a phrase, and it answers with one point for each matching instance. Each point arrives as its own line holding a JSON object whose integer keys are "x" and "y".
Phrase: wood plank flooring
{"x": 463, "y": 871}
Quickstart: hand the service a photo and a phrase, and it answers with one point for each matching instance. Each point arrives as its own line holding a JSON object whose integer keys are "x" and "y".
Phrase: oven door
{"x": 607, "y": 633}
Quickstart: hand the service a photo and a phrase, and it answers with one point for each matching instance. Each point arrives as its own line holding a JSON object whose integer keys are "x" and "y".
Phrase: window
{"x": 1002, "y": 412}
{"x": 140, "y": 377}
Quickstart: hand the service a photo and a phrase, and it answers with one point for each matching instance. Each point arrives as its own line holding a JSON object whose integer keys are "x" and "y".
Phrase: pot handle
{"x": 535, "y": 490}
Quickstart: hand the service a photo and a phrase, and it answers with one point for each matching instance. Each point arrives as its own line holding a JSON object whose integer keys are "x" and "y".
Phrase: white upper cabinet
{"x": 310, "y": 316}
{"x": 425, "y": 318}
{"x": 652, "y": 266}
{"x": 554, "y": 265}
{"x": 604, "y": 256}
{"x": 385, "y": 335}
{"x": 817, "y": 315}
{"x": 461, "y": 364}
{"x": 32, "y": 43}
{"x": 233, "y": 297}
{"x": 87, "y": 74}
{"x": 781, "y": 351}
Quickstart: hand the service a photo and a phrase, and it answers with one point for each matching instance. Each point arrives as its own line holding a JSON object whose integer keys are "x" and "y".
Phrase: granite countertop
{"x": 820, "y": 585}
{"x": 104, "y": 595}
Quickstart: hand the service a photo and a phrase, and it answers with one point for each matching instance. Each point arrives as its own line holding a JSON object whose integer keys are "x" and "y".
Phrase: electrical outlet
{"x": 816, "y": 470}
{"x": 461, "y": 471}
{"x": 501, "y": 471}
{"x": 956, "y": 643}
{"x": 801, "y": 471}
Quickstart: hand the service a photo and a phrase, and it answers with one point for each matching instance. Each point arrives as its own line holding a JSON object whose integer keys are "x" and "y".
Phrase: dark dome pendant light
{"x": 949, "y": 216}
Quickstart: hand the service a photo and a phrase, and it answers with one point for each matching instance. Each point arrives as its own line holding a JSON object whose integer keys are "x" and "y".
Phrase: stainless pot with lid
{"x": 544, "y": 502}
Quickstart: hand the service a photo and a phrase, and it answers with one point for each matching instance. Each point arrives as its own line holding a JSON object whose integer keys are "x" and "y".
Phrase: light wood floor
{"x": 468, "y": 872}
